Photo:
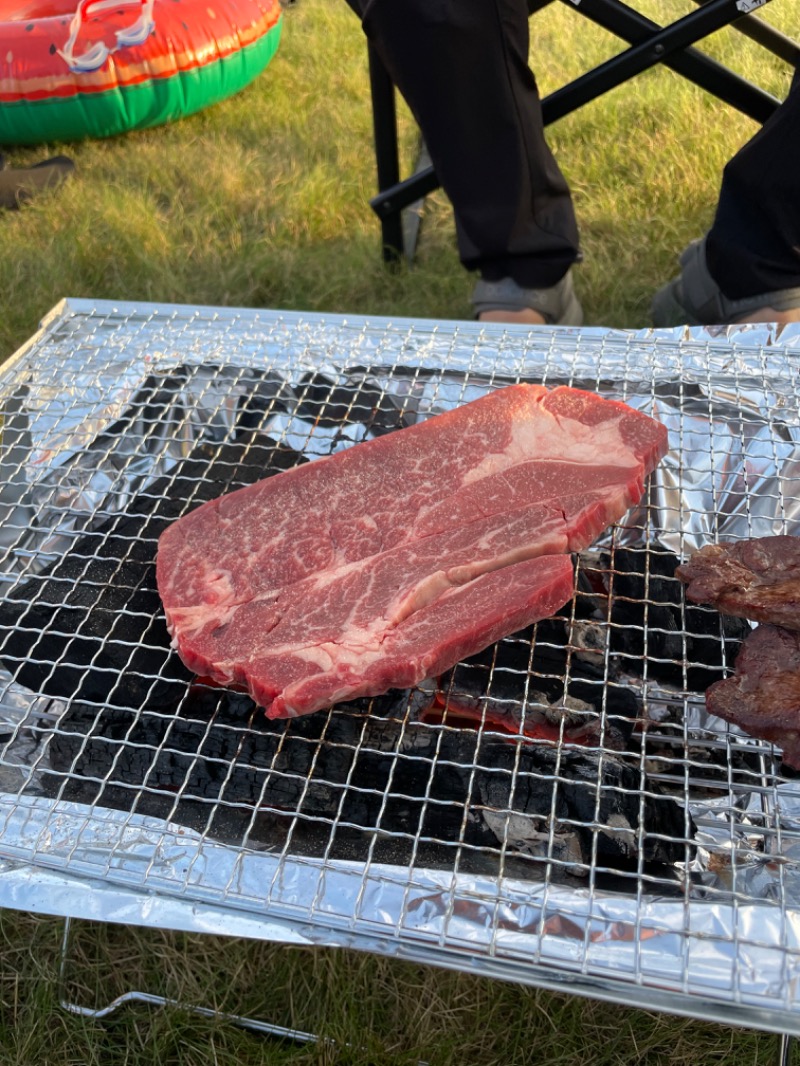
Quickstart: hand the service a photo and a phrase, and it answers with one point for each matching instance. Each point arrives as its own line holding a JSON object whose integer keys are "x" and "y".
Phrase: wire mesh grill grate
{"x": 561, "y": 803}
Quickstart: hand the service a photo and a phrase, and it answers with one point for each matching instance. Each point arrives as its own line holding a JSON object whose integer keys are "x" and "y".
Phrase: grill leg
{"x": 98, "y": 1013}
{"x": 785, "y": 1048}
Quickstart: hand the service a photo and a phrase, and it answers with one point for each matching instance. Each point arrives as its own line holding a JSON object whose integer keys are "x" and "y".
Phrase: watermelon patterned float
{"x": 95, "y": 68}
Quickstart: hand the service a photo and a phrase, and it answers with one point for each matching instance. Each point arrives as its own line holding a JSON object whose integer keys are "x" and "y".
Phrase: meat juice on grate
{"x": 389, "y": 562}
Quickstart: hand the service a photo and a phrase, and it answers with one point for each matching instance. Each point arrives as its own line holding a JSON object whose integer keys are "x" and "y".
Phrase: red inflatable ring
{"x": 94, "y": 68}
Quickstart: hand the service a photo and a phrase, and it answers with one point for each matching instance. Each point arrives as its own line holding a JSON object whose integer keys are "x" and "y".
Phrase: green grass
{"x": 373, "y": 1011}
{"x": 262, "y": 201}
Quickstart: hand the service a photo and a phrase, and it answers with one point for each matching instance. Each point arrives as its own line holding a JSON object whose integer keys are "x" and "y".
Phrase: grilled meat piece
{"x": 763, "y": 695}
{"x": 757, "y": 579}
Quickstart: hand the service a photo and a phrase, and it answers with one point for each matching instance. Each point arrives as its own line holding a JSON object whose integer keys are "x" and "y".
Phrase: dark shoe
{"x": 558, "y": 305}
{"x": 695, "y": 299}
{"x": 17, "y": 186}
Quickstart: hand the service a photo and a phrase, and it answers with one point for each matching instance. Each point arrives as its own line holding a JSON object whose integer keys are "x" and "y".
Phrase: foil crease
{"x": 72, "y": 386}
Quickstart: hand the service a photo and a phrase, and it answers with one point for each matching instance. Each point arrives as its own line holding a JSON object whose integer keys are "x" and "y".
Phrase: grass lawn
{"x": 261, "y": 201}
{"x": 374, "y": 1011}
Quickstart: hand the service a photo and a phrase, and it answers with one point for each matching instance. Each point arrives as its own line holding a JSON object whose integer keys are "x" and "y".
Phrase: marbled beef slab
{"x": 390, "y": 561}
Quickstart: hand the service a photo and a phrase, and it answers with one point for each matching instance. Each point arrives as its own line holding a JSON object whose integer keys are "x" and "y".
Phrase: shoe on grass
{"x": 694, "y": 298}
{"x": 558, "y": 305}
{"x": 19, "y": 185}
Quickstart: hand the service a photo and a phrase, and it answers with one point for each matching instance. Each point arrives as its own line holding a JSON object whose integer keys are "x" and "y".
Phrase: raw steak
{"x": 757, "y": 579}
{"x": 392, "y": 560}
{"x": 763, "y": 695}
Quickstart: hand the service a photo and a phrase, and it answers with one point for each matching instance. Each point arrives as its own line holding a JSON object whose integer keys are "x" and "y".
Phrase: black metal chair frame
{"x": 397, "y": 203}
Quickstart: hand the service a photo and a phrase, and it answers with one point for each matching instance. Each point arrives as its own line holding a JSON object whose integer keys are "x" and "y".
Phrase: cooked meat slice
{"x": 763, "y": 695}
{"x": 757, "y": 579}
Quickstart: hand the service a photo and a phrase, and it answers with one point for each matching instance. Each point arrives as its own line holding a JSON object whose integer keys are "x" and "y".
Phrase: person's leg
{"x": 748, "y": 266}
{"x": 753, "y": 246}
{"x": 462, "y": 67}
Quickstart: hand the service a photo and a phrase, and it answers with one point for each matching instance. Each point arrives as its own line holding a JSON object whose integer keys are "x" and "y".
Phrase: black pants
{"x": 753, "y": 245}
{"x": 462, "y": 67}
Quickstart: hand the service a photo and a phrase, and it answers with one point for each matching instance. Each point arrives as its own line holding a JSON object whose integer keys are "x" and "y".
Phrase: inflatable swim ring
{"x": 96, "y": 68}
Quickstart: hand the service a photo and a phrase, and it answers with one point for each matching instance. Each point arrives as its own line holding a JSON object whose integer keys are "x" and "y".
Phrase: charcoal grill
{"x": 559, "y": 811}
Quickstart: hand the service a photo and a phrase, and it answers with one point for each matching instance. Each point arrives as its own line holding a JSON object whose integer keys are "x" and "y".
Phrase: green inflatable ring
{"x": 101, "y": 68}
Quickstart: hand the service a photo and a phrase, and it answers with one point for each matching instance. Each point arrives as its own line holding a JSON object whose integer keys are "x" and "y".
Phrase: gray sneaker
{"x": 558, "y": 305}
{"x": 695, "y": 299}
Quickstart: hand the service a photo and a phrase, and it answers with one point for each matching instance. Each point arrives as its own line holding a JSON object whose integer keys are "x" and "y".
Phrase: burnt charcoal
{"x": 385, "y": 773}
{"x": 556, "y": 659}
{"x": 542, "y": 663}
{"x": 580, "y": 794}
{"x": 192, "y": 743}
{"x": 650, "y": 619}
{"x": 92, "y": 619}
{"x": 327, "y": 403}
{"x": 151, "y": 403}
{"x": 90, "y": 626}
{"x": 305, "y": 766}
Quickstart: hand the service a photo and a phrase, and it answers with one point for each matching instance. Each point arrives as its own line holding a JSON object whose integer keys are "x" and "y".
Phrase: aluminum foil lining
{"x": 729, "y": 400}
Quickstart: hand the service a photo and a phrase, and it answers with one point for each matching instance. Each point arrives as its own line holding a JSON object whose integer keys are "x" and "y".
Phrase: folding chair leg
{"x": 670, "y": 45}
{"x": 767, "y": 36}
{"x": 384, "y": 123}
